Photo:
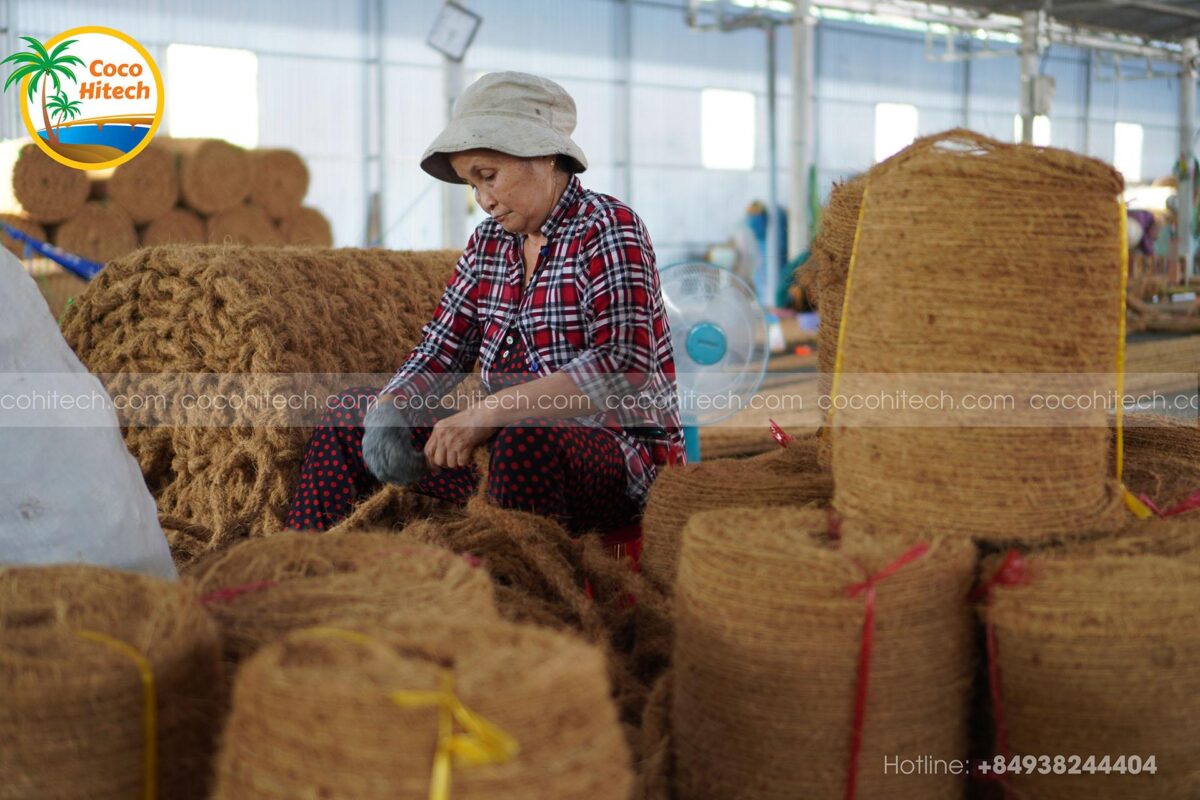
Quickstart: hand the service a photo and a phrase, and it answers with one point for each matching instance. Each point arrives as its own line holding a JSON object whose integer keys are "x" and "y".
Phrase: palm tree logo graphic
{"x": 42, "y": 67}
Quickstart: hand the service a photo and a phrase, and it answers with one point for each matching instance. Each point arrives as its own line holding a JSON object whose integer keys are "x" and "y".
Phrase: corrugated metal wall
{"x": 318, "y": 93}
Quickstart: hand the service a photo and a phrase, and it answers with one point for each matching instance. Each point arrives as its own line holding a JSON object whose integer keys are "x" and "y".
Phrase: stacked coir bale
{"x": 73, "y": 701}
{"x": 1099, "y": 657}
{"x": 245, "y": 223}
{"x": 261, "y": 590}
{"x": 351, "y": 713}
{"x": 278, "y": 181}
{"x": 931, "y": 298}
{"x": 1161, "y": 458}
{"x": 248, "y": 318}
{"x": 146, "y": 186}
{"x": 788, "y": 476}
{"x": 39, "y": 188}
{"x": 100, "y": 232}
{"x": 766, "y": 660}
{"x": 24, "y": 225}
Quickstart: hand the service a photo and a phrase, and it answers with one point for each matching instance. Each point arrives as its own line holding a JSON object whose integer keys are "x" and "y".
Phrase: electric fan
{"x": 719, "y": 332}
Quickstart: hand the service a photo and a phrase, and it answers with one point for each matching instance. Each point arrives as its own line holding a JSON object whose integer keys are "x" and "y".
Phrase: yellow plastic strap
{"x": 149, "y": 718}
{"x": 841, "y": 339}
{"x": 482, "y": 742}
{"x": 1136, "y": 506}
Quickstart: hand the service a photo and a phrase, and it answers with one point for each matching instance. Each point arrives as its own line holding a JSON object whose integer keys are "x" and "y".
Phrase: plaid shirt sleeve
{"x": 449, "y": 342}
{"x": 622, "y": 281}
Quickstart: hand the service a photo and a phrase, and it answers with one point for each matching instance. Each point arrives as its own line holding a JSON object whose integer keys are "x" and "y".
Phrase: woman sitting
{"x": 557, "y": 296}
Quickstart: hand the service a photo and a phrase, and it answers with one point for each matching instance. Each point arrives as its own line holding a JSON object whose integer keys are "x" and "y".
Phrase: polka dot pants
{"x": 552, "y": 467}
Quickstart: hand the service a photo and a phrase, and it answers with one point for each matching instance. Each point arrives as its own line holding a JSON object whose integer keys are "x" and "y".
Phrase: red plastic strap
{"x": 864, "y": 655}
{"x": 1011, "y": 573}
{"x": 779, "y": 434}
{"x": 230, "y": 592}
{"x": 1192, "y": 503}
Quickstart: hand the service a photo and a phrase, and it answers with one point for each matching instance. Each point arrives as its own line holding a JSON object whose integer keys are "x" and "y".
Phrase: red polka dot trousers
{"x": 557, "y": 468}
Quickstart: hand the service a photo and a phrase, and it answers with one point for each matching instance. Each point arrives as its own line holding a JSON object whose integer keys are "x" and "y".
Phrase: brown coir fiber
{"x": 146, "y": 186}
{"x": 176, "y": 226}
{"x": 313, "y": 715}
{"x": 766, "y": 659}
{"x": 213, "y": 174}
{"x": 1101, "y": 656}
{"x": 71, "y": 709}
{"x": 42, "y": 189}
{"x": 100, "y": 231}
{"x": 24, "y": 225}
{"x": 1162, "y": 459}
{"x": 278, "y": 181}
{"x": 653, "y": 766}
{"x": 246, "y": 223}
{"x": 263, "y": 589}
{"x": 540, "y": 574}
{"x": 788, "y": 477}
{"x": 258, "y": 314}
{"x": 306, "y": 227}
{"x": 938, "y": 288}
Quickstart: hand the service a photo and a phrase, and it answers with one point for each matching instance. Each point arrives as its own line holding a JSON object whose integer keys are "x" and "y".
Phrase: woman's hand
{"x": 454, "y": 439}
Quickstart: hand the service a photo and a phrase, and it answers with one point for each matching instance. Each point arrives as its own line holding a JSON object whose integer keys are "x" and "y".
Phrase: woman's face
{"x": 518, "y": 193}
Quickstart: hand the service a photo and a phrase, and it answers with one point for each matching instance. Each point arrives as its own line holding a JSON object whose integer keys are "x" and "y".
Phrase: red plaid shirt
{"x": 593, "y": 309}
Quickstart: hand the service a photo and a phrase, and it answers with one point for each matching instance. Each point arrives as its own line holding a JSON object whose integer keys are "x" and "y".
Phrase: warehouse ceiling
{"x": 1164, "y": 20}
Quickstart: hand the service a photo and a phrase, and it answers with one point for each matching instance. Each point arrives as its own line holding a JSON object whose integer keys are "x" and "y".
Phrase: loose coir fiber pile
{"x": 938, "y": 288}
{"x": 261, "y": 590}
{"x": 767, "y": 651}
{"x": 1100, "y": 655}
{"x": 72, "y": 708}
{"x": 787, "y": 477}
{"x": 313, "y": 717}
{"x": 255, "y": 315}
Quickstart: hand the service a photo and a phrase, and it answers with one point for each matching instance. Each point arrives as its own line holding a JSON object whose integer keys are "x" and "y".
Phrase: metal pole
{"x": 803, "y": 70}
{"x": 767, "y": 293}
{"x": 623, "y": 119}
{"x": 1029, "y": 68}
{"x": 1187, "y": 152}
{"x": 454, "y": 202}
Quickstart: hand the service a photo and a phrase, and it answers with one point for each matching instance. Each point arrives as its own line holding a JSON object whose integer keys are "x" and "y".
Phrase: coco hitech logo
{"x": 91, "y": 97}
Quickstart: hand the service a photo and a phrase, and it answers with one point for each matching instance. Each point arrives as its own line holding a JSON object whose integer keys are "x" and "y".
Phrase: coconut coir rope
{"x": 145, "y": 187}
{"x": 786, "y": 476}
{"x": 278, "y": 181}
{"x": 250, "y": 317}
{"x": 1098, "y": 655}
{"x": 42, "y": 189}
{"x": 923, "y": 315}
{"x": 92, "y": 661}
{"x": 213, "y": 174}
{"x": 99, "y": 232}
{"x": 767, "y": 658}
{"x": 261, "y": 590}
{"x": 306, "y": 227}
{"x": 176, "y": 226}
{"x": 315, "y": 715}
{"x": 246, "y": 223}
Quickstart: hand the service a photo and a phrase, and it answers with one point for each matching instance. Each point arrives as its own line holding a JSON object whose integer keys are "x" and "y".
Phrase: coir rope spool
{"x": 936, "y": 288}
{"x": 245, "y": 223}
{"x": 315, "y": 715}
{"x": 42, "y": 189}
{"x": 306, "y": 227}
{"x": 278, "y": 182}
{"x": 261, "y": 590}
{"x": 213, "y": 174}
{"x": 146, "y": 186}
{"x": 769, "y": 643}
{"x": 78, "y": 716}
{"x": 176, "y": 226}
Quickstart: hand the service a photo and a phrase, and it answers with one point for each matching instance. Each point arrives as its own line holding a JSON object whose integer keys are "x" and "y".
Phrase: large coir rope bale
{"x": 24, "y": 225}
{"x": 99, "y": 231}
{"x": 931, "y": 296}
{"x": 261, "y": 590}
{"x": 278, "y": 181}
{"x": 213, "y": 174}
{"x": 176, "y": 226}
{"x": 306, "y": 227}
{"x": 313, "y": 715}
{"x": 787, "y": 477}
{"x": 41, "y": 188}
{"x": 72, "y": 707}
{"x": 1100, "y": 656}
{"x": 246, "y": 223}
{"x": 146, "y": 186}
{"x": 767, "y": 648}
{"x": 256, "y": 316}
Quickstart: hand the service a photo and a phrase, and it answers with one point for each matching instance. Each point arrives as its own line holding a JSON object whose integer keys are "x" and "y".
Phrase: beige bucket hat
{"x": 512, "y": 112}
